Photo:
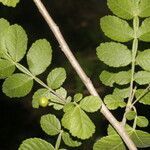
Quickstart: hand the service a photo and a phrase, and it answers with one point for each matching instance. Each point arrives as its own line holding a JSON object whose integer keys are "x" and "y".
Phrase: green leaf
{"x": 123, "y": 77}
{"x": 144, "y": 99}
{"x": 90, "y": 103}
{"x": 140, "y": 138}
{"x": 35, "y": 144}
{"x": 120, "y": 78}
{"x": 107, "y": 78}
{"x": 10, "y": 3}
{"x": 119, "y": 54}
{"x": 56, "y": 78}
{"x": 142, "y": 121}
{"x": 125, "y": 9}
{"x": 15, "y": 42}
{"x": 143, "y": 59}
{"x": 142, "y": 77}
{"x": 39, "y": 56}
{"x": 131, "y": 115}
{"x": 37, "y": 95}
{"x": 50, "y": 124}
{"x": 68, "y": 140}
{"x": 4, "y": 24}
{"x": 124, "y": 93}
{"x": 77, "y": 97}
{"x": 17, "y": 85}
{"x": 114, "y": 101}
{"x": 116, "y": 29}
{"x": 144, "y": 31}
{"x": 111, "y": 142}
{"x": 78, "y": 123}
{"x": 144, "y": 8}
{"x": 6, "y": 68}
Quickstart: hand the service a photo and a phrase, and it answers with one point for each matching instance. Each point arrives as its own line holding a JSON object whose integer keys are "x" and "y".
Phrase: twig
{"x": 87, "y": 82}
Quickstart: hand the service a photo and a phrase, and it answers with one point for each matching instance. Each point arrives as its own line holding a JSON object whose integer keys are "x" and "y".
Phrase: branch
{"x": 87, "y": 82}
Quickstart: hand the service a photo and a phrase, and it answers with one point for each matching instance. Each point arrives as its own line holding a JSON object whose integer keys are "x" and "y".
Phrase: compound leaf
{"x": 6, "y": 68}
{"x": 56, "y": 78}
{"x": 35, "y": 144}
{"x": 143, "y": 59}
{"x": 114, "y": 101}
{"x": 144, "y": 8}
{"x": 78, "y": 123}
{"x": 50, "y": 124}
{"x": 119, "y": 54}
{"x": 10, "y": 3}
{"x": 17, "y": 85}
{"x": 144, "y": 99}
{"x": 39, "y": 56}
{"x": 142, "y": 77}
{"x": 142, "y": 121}
{"x": 144, "y": 31}
{"x": 116, "y": 29}
{"x": 15, "y": 42}
{"x": 112, "y": 142}
{"x": 90, "y": 103}
{"x": 125, "y": 9}
{"x": 69, "y": 141}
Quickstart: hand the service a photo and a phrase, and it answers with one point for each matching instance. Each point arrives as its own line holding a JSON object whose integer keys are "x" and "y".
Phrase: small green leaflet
{"x": 17, "y": 85}
{"x": 119, "y": 54}
{"x": 90, "y": 103}
{"x": 144, "y": 99}
{"x": 36, "y": 144}
{"x": 124, "y": 93}
{"x": 143, "y": 59}
{"x": 77, "y": 97}
{"x": 15, "y": 42}
{"x": 114, "y": 101}
{"x": 50, "y": 124}
{"x": 77, "y": 122}
{"x": 39, "y": 56}
{"x": 56, "y": 78}
{"x": 10, "y": 3}
{"x": 142, "y": 121}
{"x": 107, "y": 78}
{"x": 131, "y": 115}
{"x": 116, "y": 29}
{"x": 120, "y": 78}
{"x": 142, "y": 77}
{"x": 111, "y": 142}
{"x": 68, "y": 140}
{"x": 125, "y": 9}
{"x": 144, "y": 30}
{"x": 144, "y": 8}
{"x": 6, "y": 68}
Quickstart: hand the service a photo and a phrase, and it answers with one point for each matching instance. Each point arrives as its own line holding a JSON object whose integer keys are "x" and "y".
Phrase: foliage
{"x": 132, "y": 71}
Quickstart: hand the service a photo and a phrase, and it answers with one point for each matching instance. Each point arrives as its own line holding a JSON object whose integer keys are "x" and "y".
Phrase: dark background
{"x": 79, "y": 22}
